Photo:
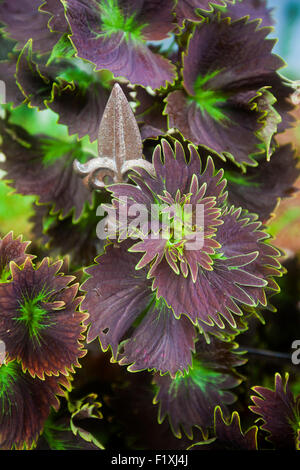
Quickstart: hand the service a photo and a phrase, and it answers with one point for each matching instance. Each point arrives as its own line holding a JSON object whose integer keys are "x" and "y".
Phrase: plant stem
{"x": 265, "y": 352}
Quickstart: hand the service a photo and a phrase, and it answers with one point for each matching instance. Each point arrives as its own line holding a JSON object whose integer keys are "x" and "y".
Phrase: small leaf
{"x": 85, "y": 409}
{"x": 229, "y": 435}
{"x": 63, "y": 49}
{"x": 280, "y": 411}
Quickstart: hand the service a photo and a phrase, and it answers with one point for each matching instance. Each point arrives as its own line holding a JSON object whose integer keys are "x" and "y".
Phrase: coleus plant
{"x": 190, "y": 124}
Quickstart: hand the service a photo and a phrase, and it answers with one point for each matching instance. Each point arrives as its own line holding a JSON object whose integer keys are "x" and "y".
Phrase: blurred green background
{"x": 287, "y": 30}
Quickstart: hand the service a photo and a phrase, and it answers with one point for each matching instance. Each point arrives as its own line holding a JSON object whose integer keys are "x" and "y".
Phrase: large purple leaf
{"x": 189, "y": 400}
{"x": 234, "y": 266}
{"x": 236, "y": 137}
{"x": 125, "y": 316}
{"x": 260, "y": 189}
{"x": 249, "y": 236}
{"x": 154, "y": 344}
{"x": 211, "y": 54}
{"x": 78, "y": 97}
{"x": 226, "y": 105}
{"x": 43, "y": 167}
{"x": 39, "y": 320}
{"x": 23, "y": 21}
{"x": 114, "y": 299}
{"x": 215, "y": 294}
{"x": 25, "y": 405}
{"x": 115, "y": 47}
{"x": 240, "y": 276}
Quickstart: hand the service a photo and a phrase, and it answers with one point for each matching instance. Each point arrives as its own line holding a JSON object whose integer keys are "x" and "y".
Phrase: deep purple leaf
{"x": 58, "y": 20}
{"x": 190, "y": 400}
{"x": 229, "y": 103}
{"x": 194, "y": 9}
{"x": 110, "y": 292}
{"x": 39, "y": 321}
{"x": 25, "y": 405}
{"x": 79, "y": 241}
{"x": 11, "y": 250}
{"x": 252, "y": 8}
{"x": 43, "y": 167}
{"x": 34, "y": 80}
{"x": 117, "y": 50}
{"x": 124, "y": 315}
{"x": 235, "y": 264}
{"x": 229, "y": 435}
{"x": 154, "y": 344}
{"x": 259, "y": 190}
{"x": 80, "y": 109}
{"x": 23, "y": 20}
{"x": 211, "y": 54}
{"x": 280, "y": 412}
{"x": 79, "y": 102}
